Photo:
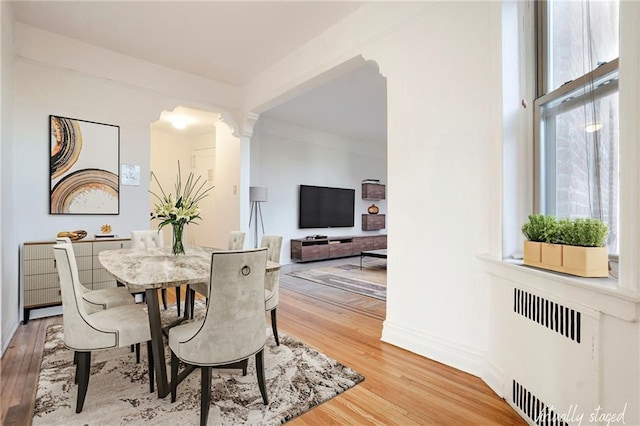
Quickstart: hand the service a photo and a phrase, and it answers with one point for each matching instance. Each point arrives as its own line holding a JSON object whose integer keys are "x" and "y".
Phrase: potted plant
{"x": 584, "y": 252}
{"x": 541, "y": 231}
{"x": 574, "y": 247}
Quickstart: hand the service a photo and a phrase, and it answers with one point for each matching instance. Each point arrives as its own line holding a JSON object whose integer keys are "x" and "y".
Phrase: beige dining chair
{"x": 233, "y": 328}
{"x": 236, "y": 242}
{"x": 106, "y": 298}
{"x": 273, "y": 243}
{"x": 116, "y": 327}
{"x": 150, "y": 238}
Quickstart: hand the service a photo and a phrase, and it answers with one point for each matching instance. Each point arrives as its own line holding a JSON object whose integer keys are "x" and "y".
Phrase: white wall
{"x": 8, "y": 252}
{"x": 442, "y": 64}
{"x": 60, "y": 76}
{"x": 446, "y": 123}
{"x": 285, "y": 156}
{"x": 167, "y": 149}
{"x": 226, "y": 193}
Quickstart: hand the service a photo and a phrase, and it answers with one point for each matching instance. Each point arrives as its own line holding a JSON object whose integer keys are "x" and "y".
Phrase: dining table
{"x": 151, "y": 269}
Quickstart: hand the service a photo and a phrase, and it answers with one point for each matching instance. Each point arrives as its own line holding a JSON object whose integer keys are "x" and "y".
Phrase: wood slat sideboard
{"x": 40, "y": 276}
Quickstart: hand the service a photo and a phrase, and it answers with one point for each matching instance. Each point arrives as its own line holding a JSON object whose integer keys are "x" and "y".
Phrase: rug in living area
{"x": 298, "y": 378}
{"x": 370, "y": 281}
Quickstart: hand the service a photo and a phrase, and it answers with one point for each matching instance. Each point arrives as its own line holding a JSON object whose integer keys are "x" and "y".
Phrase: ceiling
{"x": 226, "y": 41}
{"x": 354, "y": 106}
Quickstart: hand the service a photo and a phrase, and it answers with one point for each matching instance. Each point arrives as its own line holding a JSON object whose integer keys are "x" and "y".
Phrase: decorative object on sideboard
{"x": 105, "y": 232}
{"x": 575, "y": 247}
{"x": 373, "y": 209}
{"x": 73, "y": 235}
{"x": 257, "y": 195}
{"x": 90, "y": 186}
{"x": 181, "y": 209}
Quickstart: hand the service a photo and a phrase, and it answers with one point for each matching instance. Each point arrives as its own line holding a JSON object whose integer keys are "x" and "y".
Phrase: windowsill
{"x": 599, "y": 294}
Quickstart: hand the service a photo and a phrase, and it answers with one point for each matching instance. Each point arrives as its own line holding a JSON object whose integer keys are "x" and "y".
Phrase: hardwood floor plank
{"x": 400, "y": 387}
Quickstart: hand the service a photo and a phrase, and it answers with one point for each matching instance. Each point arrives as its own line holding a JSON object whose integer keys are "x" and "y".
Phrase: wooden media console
{"x": 308, "y": 249}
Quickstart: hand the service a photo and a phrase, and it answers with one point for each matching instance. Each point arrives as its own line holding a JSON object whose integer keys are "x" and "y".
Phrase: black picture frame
{"x": 84, "y": 167}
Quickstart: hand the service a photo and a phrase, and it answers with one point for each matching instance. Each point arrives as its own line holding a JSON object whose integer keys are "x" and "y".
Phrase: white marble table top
{"x": 142, "y": 269}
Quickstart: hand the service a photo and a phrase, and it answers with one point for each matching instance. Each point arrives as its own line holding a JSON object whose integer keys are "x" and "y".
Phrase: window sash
{"x": 584, "y": 92}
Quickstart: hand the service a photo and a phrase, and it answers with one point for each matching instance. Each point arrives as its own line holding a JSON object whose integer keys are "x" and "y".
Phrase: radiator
{"x": 553, "y": 368}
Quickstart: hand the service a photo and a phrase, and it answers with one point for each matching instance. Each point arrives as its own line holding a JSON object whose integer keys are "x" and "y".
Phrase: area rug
{"x": 370, "y": 281}
{"x": 298, "y": 379}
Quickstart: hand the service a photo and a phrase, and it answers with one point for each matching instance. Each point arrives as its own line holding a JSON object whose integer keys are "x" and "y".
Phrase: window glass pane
{"x": 582, "y": 34}
{"x": 581, "y": 157}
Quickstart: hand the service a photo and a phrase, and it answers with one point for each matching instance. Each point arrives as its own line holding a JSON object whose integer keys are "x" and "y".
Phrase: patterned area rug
{"x": 298, "y": 379}
{"x": 370, "y": 281}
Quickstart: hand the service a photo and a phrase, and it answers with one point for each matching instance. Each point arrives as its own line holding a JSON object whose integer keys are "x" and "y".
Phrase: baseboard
{"x": 7, "y": 335}
{"x": 465, "y": 358}
{"x": 493, "y": 376}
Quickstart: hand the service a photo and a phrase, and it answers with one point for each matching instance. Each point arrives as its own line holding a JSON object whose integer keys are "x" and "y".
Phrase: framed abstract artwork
{"x": 84, "y": 164}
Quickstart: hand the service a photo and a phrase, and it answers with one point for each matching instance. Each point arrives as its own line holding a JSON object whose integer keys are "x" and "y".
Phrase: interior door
{"x": 204, "y": 161}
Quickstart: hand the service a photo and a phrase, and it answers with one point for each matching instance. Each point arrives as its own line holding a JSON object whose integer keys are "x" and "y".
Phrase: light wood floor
{"x": 400, "y": 388}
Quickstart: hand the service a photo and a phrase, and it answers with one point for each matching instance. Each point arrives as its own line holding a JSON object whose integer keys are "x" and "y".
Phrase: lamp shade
{"x": 257, "y": 193}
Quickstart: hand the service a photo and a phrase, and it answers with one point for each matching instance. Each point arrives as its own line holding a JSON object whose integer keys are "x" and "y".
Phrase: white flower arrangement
{"x": 181, "y": 209}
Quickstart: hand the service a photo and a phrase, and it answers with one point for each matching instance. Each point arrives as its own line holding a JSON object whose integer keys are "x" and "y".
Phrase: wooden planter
{"x": 574, "y": 260}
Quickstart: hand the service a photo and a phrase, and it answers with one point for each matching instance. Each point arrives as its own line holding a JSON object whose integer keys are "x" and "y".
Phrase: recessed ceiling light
{"x": 179, "y": 122}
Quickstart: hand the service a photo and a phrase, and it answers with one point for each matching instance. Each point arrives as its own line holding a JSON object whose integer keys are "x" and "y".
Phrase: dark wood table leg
{"x": 157, "y": 343}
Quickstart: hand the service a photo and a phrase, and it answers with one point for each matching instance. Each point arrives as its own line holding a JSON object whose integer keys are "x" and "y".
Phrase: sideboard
{"x": 40, "y": 276}
{"x": 307, "y": 249}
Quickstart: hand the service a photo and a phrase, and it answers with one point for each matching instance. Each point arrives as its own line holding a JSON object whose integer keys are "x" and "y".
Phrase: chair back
{"x": 67, "y": 240}
{"x": 78, "y": 333}
{"x": 64, "y": 240}
{"x": 146, "y": 239}
{"x": 274, "y": 245}
{"x": 234, "y": 326}
{"x": 236, "y": 240}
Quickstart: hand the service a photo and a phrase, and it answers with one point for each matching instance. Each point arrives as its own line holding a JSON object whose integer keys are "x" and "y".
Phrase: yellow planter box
{"x": 574, "y": 260}
{"x": 532, "y": 253}
{"x": 552, "y": 254}
{"x": 586, "y": 261}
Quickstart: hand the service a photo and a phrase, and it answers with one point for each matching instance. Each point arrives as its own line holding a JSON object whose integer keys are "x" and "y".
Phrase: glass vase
{"x": 177, "y": 248}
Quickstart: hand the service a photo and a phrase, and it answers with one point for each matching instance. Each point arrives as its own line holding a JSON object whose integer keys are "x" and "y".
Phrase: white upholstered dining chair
{"x": 116, "y": 327}
{"x": 236, "y": 242}
{"x": 106, "y": 298}
{"x": 233, "y": 328}
{"x": 273, "y": 243}
{"x": 150, "y": 238}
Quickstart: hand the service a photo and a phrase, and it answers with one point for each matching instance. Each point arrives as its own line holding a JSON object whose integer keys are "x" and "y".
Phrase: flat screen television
{"x": 324, "y": 207}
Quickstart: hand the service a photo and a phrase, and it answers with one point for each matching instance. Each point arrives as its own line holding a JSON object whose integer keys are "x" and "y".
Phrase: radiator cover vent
{"x": 550, "y": 314}
{"x": 533, "y": 408}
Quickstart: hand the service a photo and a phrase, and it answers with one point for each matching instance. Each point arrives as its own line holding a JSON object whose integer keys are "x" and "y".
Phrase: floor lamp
{"x": 257, "y": 195}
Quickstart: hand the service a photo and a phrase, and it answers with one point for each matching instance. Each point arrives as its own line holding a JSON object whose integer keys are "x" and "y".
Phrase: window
{"x": 576, "y": 113}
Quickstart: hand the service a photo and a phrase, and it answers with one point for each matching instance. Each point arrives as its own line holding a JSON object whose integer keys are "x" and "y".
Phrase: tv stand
{"x": 309, "y": 249}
